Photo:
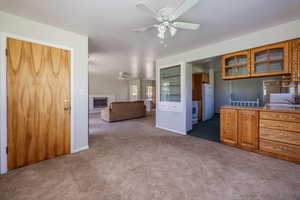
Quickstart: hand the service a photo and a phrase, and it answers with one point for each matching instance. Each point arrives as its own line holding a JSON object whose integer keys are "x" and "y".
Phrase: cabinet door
{"x": 205, "y": 78}
{"x": 295, "y": 60}
{"x": 197, "y": 87}
{"x": 236, "y": 65}
{"x": 229, "y": 126}
{"x": 270, "y": 60}
{"x": 248, "y": 129}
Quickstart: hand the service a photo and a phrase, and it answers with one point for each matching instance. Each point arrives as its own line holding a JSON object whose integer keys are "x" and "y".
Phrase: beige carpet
{"x": 132, "y": 160}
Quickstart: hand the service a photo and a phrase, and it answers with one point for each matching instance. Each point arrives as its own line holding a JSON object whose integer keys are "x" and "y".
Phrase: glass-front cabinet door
{"x": 170, "y": 84}
{"x": 270, "y": 60}
{"x": 236, "y": 65}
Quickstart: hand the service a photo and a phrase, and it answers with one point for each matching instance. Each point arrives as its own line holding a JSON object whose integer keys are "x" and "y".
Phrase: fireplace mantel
{"x": 110, "y": 99}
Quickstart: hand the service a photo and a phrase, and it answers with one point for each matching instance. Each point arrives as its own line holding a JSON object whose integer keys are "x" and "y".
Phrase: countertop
{"x": 292, "y": 109}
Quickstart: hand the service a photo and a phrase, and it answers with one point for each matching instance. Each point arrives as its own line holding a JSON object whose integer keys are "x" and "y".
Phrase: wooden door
{"x": 38, "y": 91}
{"x": 229, "y": 126}
{"x": 248, "y": 127}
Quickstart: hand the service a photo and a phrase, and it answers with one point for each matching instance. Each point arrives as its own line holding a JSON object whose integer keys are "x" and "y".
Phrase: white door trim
{"x": 3, "y": 94}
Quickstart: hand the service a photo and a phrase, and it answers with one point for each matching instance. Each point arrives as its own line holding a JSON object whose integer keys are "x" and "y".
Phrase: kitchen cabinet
{"x": 229, "y": 126}
{"x": 268, "y": 131}
{"x": 198, "y": 79}
{"x": 295, "y": 60}
{"x": 281, "y": 58}
{"x": 270, "y": 60}
{"x": 280, "y": 135}
{"x": 248, "y": 129}
{"x": 236, "y": 65}
{"x": 240, "y": 128}
{"x": 197, "y": 87}
{"x": 205, "y": 78}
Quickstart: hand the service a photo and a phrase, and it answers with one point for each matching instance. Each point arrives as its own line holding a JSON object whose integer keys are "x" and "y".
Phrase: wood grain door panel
{"x": 280, "y": 136}
{"x": 248, "y": 127}
{"x": 229, "y": 126}
{"x": 295, "y": 60}
{"x": 290, "y": 117}
{"x": 288, "y": 150}
{"x": 280, "y": 125}
{"x": 38, "y": 87}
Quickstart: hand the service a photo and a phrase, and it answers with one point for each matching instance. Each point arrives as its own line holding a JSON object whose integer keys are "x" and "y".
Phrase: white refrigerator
{"x": 207, "y": 102}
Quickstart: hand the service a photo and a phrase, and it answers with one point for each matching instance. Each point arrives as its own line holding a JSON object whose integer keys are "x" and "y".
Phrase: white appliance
{"x": 207, "y": 102}
{"x": 148, "y": 104}
{"x": 195, "y": 112}
{"x": 282, "y": 99}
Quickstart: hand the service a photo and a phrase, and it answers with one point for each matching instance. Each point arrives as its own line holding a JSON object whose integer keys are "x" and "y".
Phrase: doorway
{"x": 205, "y": 117}
{"x": 38, "y": 102}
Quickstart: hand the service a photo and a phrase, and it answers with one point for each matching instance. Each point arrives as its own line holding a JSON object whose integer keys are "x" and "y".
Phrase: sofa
{"x": 118, "y": 111}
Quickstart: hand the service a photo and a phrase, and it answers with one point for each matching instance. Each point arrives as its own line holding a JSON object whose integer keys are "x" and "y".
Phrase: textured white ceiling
{"x": 114, "y": 47}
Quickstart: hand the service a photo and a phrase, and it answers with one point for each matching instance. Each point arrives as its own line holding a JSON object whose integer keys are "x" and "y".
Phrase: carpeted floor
{"x": 132, "y": 160}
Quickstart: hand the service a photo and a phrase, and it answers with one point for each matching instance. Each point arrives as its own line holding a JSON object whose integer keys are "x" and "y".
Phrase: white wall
{"x": 103, "y": 85}
{"x": 222, "y": 92}
{"x": 173, "y": 116}
{"x": 271, "y": 35}
{"x": 79, "y": 73}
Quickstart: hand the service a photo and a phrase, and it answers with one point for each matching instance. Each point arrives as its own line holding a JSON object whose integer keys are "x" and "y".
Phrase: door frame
{"x": 3, "y": 93}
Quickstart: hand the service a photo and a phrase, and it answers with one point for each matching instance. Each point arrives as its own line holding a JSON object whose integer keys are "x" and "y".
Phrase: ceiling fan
{"x": 123, "y": 76}
{"x": 167, "y": 18}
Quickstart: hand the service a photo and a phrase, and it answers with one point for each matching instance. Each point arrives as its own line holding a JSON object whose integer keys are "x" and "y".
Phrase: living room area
{"x": 119, "y": 98}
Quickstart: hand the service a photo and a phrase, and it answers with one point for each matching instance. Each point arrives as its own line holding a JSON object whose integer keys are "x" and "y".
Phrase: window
{"x": 149, "y": 90}
{"x": 134, "y": 90}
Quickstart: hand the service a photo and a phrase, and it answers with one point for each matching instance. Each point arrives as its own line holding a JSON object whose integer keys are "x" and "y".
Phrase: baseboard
{"x": 171, "y": 130}
{"x": 81, "y": 149}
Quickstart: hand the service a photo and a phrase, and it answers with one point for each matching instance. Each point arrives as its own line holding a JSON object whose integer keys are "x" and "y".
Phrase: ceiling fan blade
{"x": 185, "y": 6}
{"x": 185, "y": 25}
{"x": 145, "y": 28}
{"x": 142, "y": 5}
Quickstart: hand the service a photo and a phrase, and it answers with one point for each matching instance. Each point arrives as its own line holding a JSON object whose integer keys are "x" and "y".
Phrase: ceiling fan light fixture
{"x": 123, "y": 76}
{"x": 173, "y": 31}
{"x": 167, "y": 18}
{"x": 161, "y": 35}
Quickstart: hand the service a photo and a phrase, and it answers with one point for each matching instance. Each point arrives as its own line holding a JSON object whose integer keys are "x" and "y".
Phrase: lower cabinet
{"x": 248, "y": 124}
{"x": 240, "y": 128}
{"x": 272, "y": 133}
{"x": 229, "y": 126}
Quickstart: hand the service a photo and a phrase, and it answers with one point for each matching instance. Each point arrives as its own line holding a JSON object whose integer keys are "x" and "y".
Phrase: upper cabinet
{"x": 270, "y": 60}
{"x": 295, "y": 60}
{"x": 236, "y": 65}
{"x": 198, "y": 79}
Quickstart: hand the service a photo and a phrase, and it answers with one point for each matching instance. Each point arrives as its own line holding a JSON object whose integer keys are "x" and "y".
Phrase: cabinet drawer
{"x": 288, "y": 150}
{"x": 291, "y": 117}
{"x": 280, "y": 125}
{"x": 280, "y": 136}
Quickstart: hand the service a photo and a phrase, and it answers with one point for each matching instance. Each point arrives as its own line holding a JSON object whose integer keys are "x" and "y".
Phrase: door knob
{"x": 67, "y": 108}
